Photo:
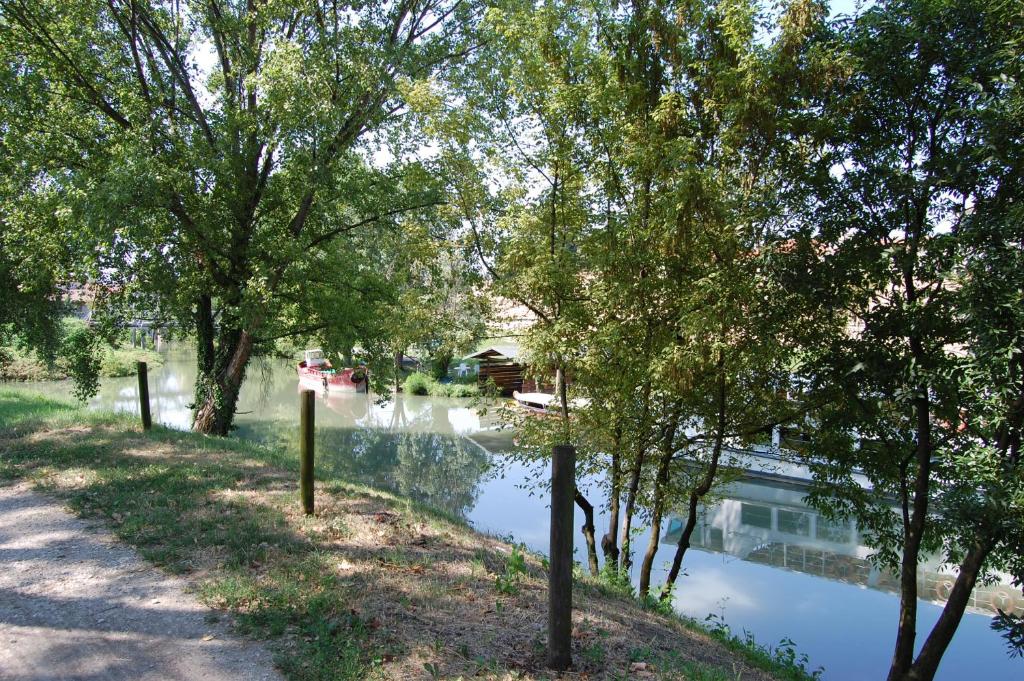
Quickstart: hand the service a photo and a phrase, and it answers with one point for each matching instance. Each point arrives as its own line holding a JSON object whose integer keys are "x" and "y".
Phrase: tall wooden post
{"x": 563, "y": 488}
{"x": 147, "y": 421}
{"x": 306, "y": 414}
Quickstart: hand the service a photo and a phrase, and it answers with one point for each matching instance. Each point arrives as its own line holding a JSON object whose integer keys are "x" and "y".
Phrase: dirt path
{"x": 75, "y": 604}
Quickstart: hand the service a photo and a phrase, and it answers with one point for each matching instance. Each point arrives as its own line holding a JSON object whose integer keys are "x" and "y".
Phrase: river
{"x": 761, "y": 559}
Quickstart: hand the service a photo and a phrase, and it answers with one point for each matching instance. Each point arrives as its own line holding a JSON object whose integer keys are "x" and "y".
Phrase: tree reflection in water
{"x": 441, "y": 470}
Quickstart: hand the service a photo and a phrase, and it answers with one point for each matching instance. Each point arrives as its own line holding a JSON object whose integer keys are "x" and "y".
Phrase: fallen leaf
{"x": 209, "y": 637}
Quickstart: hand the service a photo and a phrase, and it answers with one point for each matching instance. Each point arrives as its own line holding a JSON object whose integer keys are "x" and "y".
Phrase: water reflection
{"x": 770, "y": 524}
{"x": 435, "y": 468}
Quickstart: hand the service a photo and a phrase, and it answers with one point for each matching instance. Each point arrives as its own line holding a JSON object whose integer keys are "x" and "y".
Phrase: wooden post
{"x": 563, "y": 488}
{"x": 147, "y": 421}
{"x": 306, "y": 419}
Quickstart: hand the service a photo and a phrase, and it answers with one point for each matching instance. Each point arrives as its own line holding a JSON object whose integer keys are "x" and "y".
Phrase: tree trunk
{"x": 660, "y": 494}
{"x": 219, "y": 382}
{"x": 913, "y": 531}
{"x": 702, "y": 489}
{"x": 589, "y": 532}
{"x": 625, "y": 556}
{"x": 927, "y": 662}
{"x": 609, "y": 542}
{"x": 399, "y": 359}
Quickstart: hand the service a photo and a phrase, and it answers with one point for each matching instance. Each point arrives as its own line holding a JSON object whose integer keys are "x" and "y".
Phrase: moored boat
{"x": 545, "y": 403}
{"x": 315, "y": 372}
{"x": 541, "y": 403}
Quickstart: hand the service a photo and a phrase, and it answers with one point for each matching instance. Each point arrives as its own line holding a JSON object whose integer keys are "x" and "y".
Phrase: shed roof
{"x": 494, "y": 351}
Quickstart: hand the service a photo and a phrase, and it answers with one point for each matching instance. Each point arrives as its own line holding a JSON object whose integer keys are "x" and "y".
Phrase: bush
{"x": 439, "y": 366}
{"x": 19, "y": 365}
{"x": 423, "y": 384}
{"x": 80, "y": 354}
{"x": 454, "y": 390}
{"x": 418, "y": 384}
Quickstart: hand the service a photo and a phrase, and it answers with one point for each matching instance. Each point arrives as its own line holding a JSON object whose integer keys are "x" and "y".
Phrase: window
{"x": 715, "y": 539}
{"x": 756, "y": 516}
{"x": 834, "y": 530}
{"x": 794, "y": 438}
{"x": 795, "y": 522}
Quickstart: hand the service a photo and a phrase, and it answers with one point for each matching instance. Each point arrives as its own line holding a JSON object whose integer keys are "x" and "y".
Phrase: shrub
{"x": 458, "y": 390}
{"x": 418, "y": 384}
{"x": 453, "y": 390}
{"x": 423, "y": 384}
{"x": 80, "y": 352}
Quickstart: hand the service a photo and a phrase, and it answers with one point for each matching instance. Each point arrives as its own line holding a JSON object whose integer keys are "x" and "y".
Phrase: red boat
{"x": 316, "y": 373}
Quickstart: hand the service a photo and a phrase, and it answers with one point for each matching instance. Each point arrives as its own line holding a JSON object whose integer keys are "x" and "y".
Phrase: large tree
{"x": 235, "y": 157}
{"x": 620, "y": 170}
{"x": 913, "y": 245}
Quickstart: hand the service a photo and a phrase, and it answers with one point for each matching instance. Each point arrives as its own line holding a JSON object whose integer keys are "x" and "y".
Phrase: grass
{"x": 371, "y": 586}
{"x": 781, "y": 661}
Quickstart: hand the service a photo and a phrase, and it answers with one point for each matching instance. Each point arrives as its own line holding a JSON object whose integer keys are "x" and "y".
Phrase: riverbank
{"x": 21, "y": 366}
{"x": 372, "y": 586}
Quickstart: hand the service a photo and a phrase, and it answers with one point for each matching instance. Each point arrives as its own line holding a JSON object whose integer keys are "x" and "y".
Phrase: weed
{"x": 515, "y": 568}
{"x": 595, "y": 654}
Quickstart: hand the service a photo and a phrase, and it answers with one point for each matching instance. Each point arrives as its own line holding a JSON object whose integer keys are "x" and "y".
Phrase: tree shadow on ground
{"x": 371, "y": 583}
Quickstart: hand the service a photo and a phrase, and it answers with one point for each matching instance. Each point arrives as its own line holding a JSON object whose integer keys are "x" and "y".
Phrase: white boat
{"x": 542, "y": 403}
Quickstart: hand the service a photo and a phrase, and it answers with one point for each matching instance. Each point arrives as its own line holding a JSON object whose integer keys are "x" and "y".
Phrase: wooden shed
{"x": 499, "y": 363}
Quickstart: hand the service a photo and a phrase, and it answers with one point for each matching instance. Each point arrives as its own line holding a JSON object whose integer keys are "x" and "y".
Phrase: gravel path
{"x": 76, "y": 604}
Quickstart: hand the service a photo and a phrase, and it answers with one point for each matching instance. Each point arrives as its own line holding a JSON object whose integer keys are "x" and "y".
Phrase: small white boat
{"x": 546, "y": 403}
{"x": 542, "y": 403}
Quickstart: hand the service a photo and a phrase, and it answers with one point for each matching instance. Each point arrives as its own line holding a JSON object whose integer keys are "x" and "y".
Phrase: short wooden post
{"x": 147, "y": 421}
{"x": 306, "y": 413}
{"x": 563, "y": 487}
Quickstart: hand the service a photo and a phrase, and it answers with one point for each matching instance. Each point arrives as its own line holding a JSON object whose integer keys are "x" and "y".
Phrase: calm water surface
{"x": 760, "y": 559}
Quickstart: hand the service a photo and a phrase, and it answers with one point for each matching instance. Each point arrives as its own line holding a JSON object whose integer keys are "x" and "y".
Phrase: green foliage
{"x": 120, "y": 362}
{"x": 782, "y": 659}
{"x": 81, "y": 352}
{"x": 454, "y": 390}
{"x": 418, "y": 384}
{"x": 911, "y": 242}
{"x": 267, "y": 198}
{"x": 595, "y": 653}
{"x": 633, "y": 220}
{"x": 424, "y": 384}
{"x": 616, "y": 581}
{"x": 1011, "y": 627}
{"x": 515, "y": 568}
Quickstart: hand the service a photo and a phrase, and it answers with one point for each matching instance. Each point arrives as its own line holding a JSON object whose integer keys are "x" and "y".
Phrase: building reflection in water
{"x": 768, "y": 523}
